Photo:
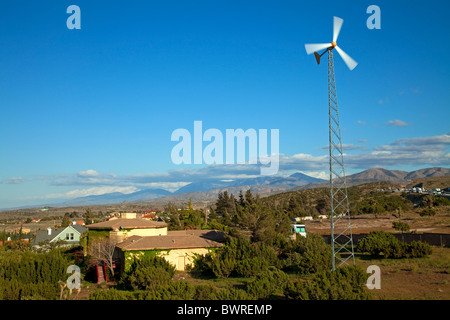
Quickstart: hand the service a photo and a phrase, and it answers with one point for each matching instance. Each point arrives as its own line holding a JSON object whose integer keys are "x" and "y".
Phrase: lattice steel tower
{"x": 341, "y": 232}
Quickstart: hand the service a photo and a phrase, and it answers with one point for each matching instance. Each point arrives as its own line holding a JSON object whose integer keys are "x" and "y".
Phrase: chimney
{"x": 128, "y": 215}
{"x": 49, "y": 231}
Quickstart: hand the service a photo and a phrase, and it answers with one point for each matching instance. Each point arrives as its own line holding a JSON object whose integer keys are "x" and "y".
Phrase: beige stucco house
{"x": 177, "y": 247}
{"x": 137, "y": 236}
{"x": 128, "y": 225}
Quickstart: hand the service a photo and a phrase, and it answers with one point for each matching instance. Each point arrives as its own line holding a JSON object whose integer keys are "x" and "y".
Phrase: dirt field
{"x": 366, "y": 223}
{"x": 413, "y": 279}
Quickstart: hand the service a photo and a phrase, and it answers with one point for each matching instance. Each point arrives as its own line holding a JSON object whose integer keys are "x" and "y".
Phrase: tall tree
{"x": 226, "y": 206}
{"x": 88, "y": 216}
{"x": 65, "y": 221}
{"x": 174, "y": 215}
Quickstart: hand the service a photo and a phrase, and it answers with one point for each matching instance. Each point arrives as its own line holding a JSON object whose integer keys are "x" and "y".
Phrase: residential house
{"x": 128, "y": 225}
{"x": 135, "y": 236}
{"x": 70, "y": 235}
{"x": 177, "y": 247}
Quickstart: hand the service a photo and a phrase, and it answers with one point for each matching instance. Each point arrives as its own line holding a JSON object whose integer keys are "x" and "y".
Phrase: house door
{"x": 181, "y": 263}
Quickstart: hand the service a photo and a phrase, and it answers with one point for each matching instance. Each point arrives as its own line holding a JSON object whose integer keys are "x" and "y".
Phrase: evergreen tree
{"x": 88, "y": 216}
{"x": 226, "y": 206}
{"x": 65, "y": 221}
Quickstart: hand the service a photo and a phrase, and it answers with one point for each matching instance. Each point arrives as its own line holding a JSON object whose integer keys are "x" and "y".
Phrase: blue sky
{"x": 92, "y": 111}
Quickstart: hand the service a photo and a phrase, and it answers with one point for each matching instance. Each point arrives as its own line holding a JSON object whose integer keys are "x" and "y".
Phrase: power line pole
{"x": 206, "y": 211}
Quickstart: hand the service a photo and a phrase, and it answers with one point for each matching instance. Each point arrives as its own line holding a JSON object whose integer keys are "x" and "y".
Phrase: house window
{"x": 300, "y": 229}
{"x": 71, "y": 236}
{"x": 67, "y": 236}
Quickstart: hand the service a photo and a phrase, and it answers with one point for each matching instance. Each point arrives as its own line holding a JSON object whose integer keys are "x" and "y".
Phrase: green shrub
{"x": 428, "y": 212}
{"x": 31, "y": 275}
{"x": 232, "y": 294}
{"x": 148, "y": 278}
{"x": 418, "y": 249}
{"x": 400, "y": 226}
{"x": 251, "y": 267}
{"x": 315, "y": 253}
{"x": 345, "y": 283}
{"x": 205, "y": 292}
{"x": 267, "y": 284}
{"x": 307, "y": 255}
{"x": 239, "y": 257}
{"x": 376, "y": 243}
{"x": 380, "y": 243}
{"x": 441, "y": 201}
{"x": 222, "y": 264}
{"x": 396, "y": 250}
{"x": 208, "y": 292}
{"x": 147, "y": 273}
{"x": 111, "y": 294}
{"x": 177, "y": 290}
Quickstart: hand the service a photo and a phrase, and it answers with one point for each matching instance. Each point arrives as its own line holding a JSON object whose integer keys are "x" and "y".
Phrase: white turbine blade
{"x": 337, "y": 25}
{"x": 351, "y": 64}
{"x": 313, "y": 47}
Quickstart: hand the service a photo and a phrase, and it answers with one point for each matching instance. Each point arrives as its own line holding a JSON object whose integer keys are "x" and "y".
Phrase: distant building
{"x": 71, "y": 235}
{"x": 299, "y": 229}
{"x": 22, "y": 229}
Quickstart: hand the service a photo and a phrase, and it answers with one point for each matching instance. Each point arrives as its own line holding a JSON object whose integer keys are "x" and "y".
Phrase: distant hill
{"x": 377, "y": 174}
{"x": 264, "y": 186}
{"x": 431, "y": 182}
{"x": 264, "y": 182}
{"x": 384, "y": 175}
{"x": 428, "y": 173}
{"x": 116, "y": 197}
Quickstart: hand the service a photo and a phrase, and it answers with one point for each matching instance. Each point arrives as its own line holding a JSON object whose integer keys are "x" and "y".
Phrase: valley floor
{"x": 367, "y": 223}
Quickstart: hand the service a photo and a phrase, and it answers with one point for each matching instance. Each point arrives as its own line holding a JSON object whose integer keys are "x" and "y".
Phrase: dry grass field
{"x": 413, "y": 279}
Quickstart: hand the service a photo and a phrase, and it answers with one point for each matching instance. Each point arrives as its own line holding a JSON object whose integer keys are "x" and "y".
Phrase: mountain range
{"x": 208, "y": 190}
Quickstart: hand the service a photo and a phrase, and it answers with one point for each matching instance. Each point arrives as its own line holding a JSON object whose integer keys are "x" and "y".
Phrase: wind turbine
{"x": 341, "y": 232}
{"x": 314, "y": 47}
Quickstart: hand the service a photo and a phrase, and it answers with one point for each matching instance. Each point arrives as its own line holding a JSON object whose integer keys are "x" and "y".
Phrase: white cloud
{"x": 397, "y": 123}
{"x": 347, "y": 147}
{"x": 13, "y": 180}
{"x": 94, "y": 191}
{"x": 443, "y": 139}
{"x": 419, "y": 152}
{"x": 317, "y": 174}
{"x": 383, "y": 101}
{"x": 88, "y": 173}
{"x": 169, "y": 186}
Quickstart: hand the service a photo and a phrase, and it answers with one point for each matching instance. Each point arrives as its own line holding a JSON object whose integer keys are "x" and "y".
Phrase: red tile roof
{"x": 116, "y": 224}
{"x": 173, "y": 240}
